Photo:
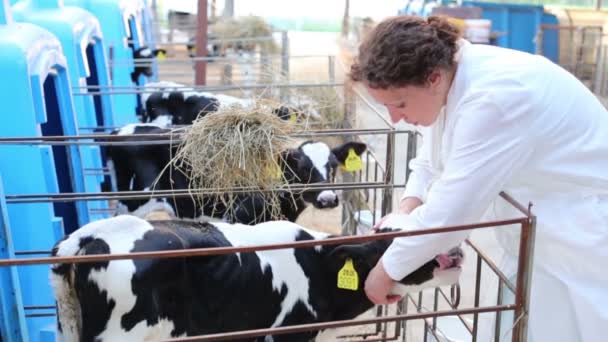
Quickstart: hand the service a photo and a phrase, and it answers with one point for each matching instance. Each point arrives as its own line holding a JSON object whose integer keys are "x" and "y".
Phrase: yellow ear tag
{"x": 293, "y": 117}
{"x": 353, "y": 162}
{"x": 348, "y": 278}
{"x": 161, "y": 56}
{"x": 275, "y": 172}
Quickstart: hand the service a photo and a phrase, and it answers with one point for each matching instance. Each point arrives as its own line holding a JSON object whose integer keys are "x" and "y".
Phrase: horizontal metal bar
{"x": 211, "y": 41}
{"x": 225, "y": 88}
{"x": 173, "y": 136}
{"x": 337, "y": 324}
{"x": 18, "y": 253}
{"x": 571, "y": 27}
{"x": 186, "y": 87}
{"x": 517, "y": 205}
{"x": 40, "y": 307}
{"x": 249, "y": 249}
{"x": 125, "y": 195}
{"x": 40, "y": 315}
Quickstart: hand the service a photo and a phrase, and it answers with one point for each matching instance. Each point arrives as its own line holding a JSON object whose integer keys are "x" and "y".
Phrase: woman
{"x": 497, "y": 119}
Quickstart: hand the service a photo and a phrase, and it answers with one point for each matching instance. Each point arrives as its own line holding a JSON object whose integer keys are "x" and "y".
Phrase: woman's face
{"x": 416, "y": 105}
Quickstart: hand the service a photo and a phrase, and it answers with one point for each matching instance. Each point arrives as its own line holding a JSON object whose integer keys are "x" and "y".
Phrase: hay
{"x": 235, "y": 148}
{"x": 245, "y": 27}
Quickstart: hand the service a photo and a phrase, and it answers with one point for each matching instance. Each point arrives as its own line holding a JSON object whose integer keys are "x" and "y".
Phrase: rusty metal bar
{"x": 517, "y": 205}
{"x": 524, "y": 277}
{"x": 476, "y": 300}
{"x": 247, "y": 249}
{"x": 498, "y": 314}
{"x": 200, "y": 73}
{"x": 335, "y": 324}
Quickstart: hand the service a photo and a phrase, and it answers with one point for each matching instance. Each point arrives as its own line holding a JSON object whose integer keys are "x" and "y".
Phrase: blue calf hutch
{"x": 35, "y": 89}
{"x": 519, "y": 25}
{"x": 82, "y": 43}
{"x": 121, "y": 23}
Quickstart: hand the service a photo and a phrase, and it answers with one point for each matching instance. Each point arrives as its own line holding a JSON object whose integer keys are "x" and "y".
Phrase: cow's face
{"x": 443, "y": 270}
{"x": 315, "y": 163}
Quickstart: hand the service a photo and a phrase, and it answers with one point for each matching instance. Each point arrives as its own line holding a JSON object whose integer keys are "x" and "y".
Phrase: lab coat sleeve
{"x": 490, "y": 144}
{"x": 422, "y": 173}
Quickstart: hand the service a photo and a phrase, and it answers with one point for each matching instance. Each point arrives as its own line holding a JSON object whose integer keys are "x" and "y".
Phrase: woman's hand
{"x": 378, "y": 285}
{"x": 405, "y": 207}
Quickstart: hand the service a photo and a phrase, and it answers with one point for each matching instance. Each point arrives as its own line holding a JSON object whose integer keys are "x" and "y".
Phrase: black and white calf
{"x": 159, "y": 299}
{"x": 137, "y": 168}
{"x": 167, "y": 103}
{"x": 143, "y": 61}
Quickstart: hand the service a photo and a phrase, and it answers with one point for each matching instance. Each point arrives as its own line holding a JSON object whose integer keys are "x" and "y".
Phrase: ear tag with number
{"x": 293, "y": 117}
{"x": 353, "y": 162}
{"x": 348, "y": 278}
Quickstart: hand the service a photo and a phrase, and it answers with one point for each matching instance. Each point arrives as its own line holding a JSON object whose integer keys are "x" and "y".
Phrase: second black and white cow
{"x": 169, "y": 103}
{"x": 143, "y": 59}
{"x": 159, "y": 299}
{"x": 137, "y": 167}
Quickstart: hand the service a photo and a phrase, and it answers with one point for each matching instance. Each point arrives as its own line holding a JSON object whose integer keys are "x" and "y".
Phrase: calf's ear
{"x": 342, "y": 152}
{"x": 159, "y": 52}
{"x": 363, "y": 257}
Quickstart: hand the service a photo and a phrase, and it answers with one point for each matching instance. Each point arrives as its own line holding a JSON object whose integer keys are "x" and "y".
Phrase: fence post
{"x": 284, "y": 63}
{"x": 331, "y": 67}
{"x": 524, "y": 280}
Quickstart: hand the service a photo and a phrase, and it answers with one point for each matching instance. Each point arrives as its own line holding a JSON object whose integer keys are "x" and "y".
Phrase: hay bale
{"x": 245, "y": 27}
{"x": 235, "y": 147}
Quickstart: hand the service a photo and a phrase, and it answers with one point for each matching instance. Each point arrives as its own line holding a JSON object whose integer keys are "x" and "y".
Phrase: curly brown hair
{"x": 404, "y": 50}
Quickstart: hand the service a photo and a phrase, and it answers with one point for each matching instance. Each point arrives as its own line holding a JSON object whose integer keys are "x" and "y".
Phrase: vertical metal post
{"x": 265, "y": 70}
{"x": 599, "y": 65}
{"x": 412, "y": 149}
{"x": 201, "y": 44}
{"x": 331, "y": 67}
{"x": 227, "y": 74}
{"x": 539, "y": 40}
{"x": 477, "y": 295}
{"x": 524, "y": 279}
{"x": 387, "y": 200}
{"x": 284, "y": 63}
{"x": 498, "y": 313}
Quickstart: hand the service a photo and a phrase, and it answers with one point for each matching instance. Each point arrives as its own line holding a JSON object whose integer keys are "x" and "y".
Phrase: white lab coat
{"x": 517, "y": 122}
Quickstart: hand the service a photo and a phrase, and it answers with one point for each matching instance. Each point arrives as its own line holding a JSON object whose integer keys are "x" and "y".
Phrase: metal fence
{"x": 371, "y": 190}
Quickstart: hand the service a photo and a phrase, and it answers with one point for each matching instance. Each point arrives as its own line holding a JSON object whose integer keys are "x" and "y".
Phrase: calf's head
{"x": 143, "y": 61}
{"x": 443, "y": 270}
{"x": 317, "y": 163}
